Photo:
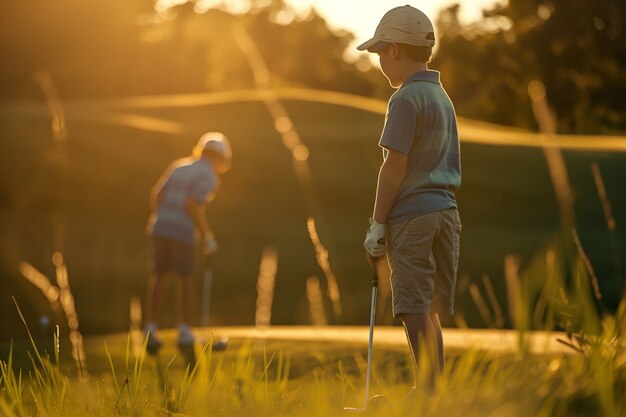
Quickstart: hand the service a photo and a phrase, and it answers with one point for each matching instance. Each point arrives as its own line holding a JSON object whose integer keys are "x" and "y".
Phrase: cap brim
{"x": 367, "y": 46}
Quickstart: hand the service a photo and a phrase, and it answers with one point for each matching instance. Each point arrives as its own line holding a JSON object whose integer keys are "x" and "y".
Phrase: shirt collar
{"x": 430, "y": 76}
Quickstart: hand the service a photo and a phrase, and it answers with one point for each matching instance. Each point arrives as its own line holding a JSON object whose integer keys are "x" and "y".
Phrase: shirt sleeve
{"x": 399, "y": 129}
{"x": 203, "y": 188}
{"x": 164, "y": 180}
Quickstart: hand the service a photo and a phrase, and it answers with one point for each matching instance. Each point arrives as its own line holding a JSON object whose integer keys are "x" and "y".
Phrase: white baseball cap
{"x": 404, "y": 24}
{"x": 218, "y": 143}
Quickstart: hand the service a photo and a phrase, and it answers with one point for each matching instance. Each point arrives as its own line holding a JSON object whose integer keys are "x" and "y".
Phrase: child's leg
{"x": 185, "y": 291}
{"x": 422, "y": 333}
{"x": 183, "y": 264}
{"x": 185, "y": 297}
{"x": 161, "y": 264}
{"x": 154, "y": 297}
{"x": 439, "y": 339}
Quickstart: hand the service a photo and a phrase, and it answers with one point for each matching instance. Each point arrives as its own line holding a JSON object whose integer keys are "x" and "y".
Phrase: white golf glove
{"x": 375, "y": 239}
{"x": 209, "y": 246}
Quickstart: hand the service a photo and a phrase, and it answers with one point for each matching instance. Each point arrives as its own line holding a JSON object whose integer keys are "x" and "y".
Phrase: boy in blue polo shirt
{"x": 179, "y": 200}
{"x": 416, "y": 221}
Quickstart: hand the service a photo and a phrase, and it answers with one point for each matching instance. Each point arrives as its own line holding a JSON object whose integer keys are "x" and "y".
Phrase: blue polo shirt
{"x": 421, "y": 123}
{"x": 188, "y": 178}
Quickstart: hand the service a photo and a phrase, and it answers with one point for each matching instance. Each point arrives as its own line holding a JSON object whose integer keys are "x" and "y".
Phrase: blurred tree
{"x": 297, "y": 52}
{"x": 89, "y": 47}
{"x": 305, "y": 51}
{"x": 575, "y": 47}
{"x": 97, "y": 48}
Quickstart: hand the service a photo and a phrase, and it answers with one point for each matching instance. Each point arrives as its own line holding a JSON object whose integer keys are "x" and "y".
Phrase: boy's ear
{"x": 394, "y": 51}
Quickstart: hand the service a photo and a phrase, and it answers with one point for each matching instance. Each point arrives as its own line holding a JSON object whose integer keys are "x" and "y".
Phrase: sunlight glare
{"x": 301, "y": 153}
{"x": 284, "y": 17}
{"x": 536, "y": 91}
{"x": 342, "y": 16}
{"x": 69, "y": 308}
{"x": 361, "y": 18}
{"x": 555, "y": 365}
{"x": 316, "y": 302}
{"x": 42, "y": 282}
{"x": 321, "y": 254}
{"x": 283, "y": 124}
{"x": 498, "y": 23}
{"x": 201, "y": 7}
{"x": 135, "y": 324}
{"x": 163, "y": 5}
{"x": 544, "y": 11}
{"x": 290, "y": 139}
{"x": 265, "y": 286}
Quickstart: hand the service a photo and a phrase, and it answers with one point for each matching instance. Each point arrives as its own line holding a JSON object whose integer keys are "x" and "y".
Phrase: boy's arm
{"x": 389, "y": 180}
{"x": 201, "y": 194}
{"x": 397, "y": 138}
{"x": 196, "y": 212}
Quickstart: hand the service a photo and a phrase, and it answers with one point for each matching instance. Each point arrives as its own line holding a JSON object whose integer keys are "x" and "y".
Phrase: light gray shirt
{"x": 189, "y": 177}
{"x": 421, "y": 123}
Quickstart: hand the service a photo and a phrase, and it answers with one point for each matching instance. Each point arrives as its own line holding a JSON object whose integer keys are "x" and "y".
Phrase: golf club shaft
{"x": 371, "y": 338}
{"x": 206, "y": 292}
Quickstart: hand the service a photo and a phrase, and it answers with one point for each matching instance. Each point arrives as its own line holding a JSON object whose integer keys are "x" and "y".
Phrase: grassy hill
{"x": 96, "y": 185}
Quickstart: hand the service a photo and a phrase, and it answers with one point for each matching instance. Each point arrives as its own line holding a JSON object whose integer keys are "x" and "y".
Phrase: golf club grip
{"x": 375, "y": 274}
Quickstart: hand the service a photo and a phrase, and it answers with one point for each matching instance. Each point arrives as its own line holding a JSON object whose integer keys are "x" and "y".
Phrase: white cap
{"x": 218, "y": 143}
{"x": 404, "y": 24}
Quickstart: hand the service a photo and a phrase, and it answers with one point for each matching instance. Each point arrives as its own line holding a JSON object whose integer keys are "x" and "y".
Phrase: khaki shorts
{"x": 423, "y": 255}
{"x": 172, "y": 256}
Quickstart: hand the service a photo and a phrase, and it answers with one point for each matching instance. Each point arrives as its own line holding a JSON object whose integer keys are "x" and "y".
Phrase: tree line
{"x": 92, "y": 48}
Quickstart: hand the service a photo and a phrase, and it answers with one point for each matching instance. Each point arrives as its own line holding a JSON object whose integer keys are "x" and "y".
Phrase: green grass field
{"x": 96, "y": 185}
{"x": 287, "y": 378}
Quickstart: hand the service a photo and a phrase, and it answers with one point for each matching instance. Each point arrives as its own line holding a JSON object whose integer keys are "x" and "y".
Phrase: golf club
{"x": 206, "y": 290}
{"x": 220, "y": 343}
{"x": 378, "y": 398}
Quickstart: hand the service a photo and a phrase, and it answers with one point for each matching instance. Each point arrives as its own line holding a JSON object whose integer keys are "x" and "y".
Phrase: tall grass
{"x": 12, "y": 388}
{"x": 252, "y": 379}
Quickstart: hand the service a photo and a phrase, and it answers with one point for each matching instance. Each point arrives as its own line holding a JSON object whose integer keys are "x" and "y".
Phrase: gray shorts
{"x": 172, "y": 256}
{"x": 423, "y": 255}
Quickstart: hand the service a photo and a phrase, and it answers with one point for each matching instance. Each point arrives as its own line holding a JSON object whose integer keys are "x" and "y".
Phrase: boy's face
{"x": 388, "y": 59}
{"x": 219, "y": 162}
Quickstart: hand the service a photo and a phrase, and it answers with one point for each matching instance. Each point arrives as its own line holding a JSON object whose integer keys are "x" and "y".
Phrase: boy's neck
{"x": 411, "y": 67}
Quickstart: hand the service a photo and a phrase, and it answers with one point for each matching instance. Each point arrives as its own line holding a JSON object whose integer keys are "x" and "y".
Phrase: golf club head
{"x": 354, "y": 410}
{"x": 378, "y": 403}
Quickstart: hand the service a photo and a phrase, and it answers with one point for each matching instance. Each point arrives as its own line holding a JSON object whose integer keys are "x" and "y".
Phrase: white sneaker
{"x": 185, "y": 337}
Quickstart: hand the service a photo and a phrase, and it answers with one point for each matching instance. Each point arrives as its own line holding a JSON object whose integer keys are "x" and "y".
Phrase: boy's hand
{"x": 209, "y": 246}
{"x": 375, "y": 239}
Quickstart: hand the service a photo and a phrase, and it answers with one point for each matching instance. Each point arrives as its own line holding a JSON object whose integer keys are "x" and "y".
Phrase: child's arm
{"x": 389, "y": 180}
{"x": 196, "y": 211}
